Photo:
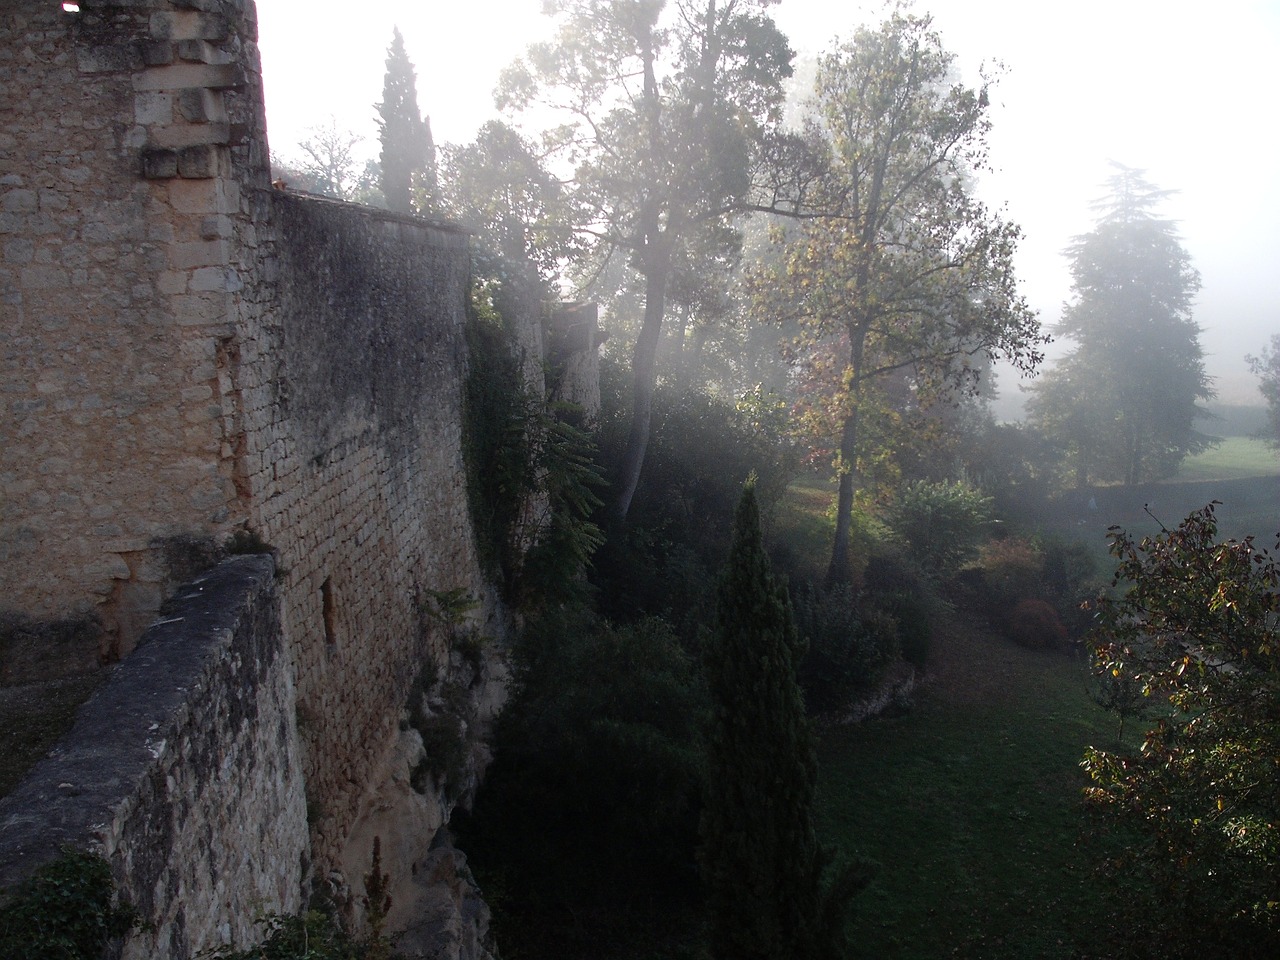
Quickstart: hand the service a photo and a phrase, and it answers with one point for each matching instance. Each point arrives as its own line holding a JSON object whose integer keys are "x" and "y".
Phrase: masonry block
{"x": 153, "y": 108}
{"x": 200, "y": 105}
{"x": 180, "y": 135}
{"x": 159, "y": 164}
{"x": 194, "y": 24}
{"x": 200, "y": 162}
{"x": 201, "y": 51}
{"x": 179, "y": 76}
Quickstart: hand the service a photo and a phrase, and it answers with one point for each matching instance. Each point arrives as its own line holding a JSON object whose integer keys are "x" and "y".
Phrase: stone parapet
{"x": 184, "y": 771}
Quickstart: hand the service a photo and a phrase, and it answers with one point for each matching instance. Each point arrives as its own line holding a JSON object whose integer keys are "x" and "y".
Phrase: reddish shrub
{"x": 1035, "y": 624}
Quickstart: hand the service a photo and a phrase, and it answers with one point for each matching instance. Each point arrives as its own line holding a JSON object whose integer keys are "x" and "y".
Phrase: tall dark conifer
{"x": 408, "y": 165}
{"x": 761, "y": 861}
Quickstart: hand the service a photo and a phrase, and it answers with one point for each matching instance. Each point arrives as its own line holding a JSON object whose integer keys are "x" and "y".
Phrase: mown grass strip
{"x": 972, "y": 809}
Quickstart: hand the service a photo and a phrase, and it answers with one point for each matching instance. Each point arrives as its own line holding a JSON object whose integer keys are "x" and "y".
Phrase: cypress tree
{"x": 408, "y": 165}
{"x": 762, "y": 864}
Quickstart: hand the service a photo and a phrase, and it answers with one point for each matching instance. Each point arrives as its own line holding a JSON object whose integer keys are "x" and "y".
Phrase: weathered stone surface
{"x": 183, "y": 770}
{"x": 450, "y": 918}
{"x": 187, "y": 351}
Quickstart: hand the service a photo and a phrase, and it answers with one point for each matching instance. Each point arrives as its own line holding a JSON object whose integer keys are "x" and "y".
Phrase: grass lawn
{"x": 971, "y": 804}
{"x": 971, "y": 807}
{"x": 1233, "y": 459}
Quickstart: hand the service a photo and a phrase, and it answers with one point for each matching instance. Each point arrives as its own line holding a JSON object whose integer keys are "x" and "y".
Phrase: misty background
{"x": 1181, "y": 90}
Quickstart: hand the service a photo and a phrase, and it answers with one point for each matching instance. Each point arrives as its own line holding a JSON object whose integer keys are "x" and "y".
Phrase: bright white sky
{"x": 1185, "y": 90}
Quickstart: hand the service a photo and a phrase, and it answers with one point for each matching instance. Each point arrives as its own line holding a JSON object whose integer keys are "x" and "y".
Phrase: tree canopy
{"x": 1123, "y": 404}
{"x": 329, "y": 165}
{"x": 896, "y": 271}
{"x": 664, "y": 109}
{"x": 499, "y": 187}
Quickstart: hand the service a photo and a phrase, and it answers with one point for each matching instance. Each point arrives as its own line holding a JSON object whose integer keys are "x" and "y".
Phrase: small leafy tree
{"x": 1198, "y": 631}
{"x": 943, "y": 524}
{"x": 897, "y": 270}
{"x": 1266, "y": 367}
{"x": 762, "y": 864}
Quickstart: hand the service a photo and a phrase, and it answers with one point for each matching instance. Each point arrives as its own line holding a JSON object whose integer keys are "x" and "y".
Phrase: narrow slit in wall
{"x": 329, "y": 608}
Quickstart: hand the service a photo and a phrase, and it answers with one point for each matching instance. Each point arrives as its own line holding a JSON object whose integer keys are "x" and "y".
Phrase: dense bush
{"x": 701, "y": 450}
{"x": 941, "y": 524}
{"x": 599, "y": 750}
{"x": 1035, "y": 624}
{"x": 663, "y": 560}
{"x": 893, "y": 585}
{"x": 1070, "y": 579}
{"x": 1013, "y": 570}
{"x": 847, "y": 650}
{"x": 65, "y": 911}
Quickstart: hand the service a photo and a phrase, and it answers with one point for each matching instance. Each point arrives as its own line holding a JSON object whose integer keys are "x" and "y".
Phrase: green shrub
{"x": 1034, "y": 624}
{"x": 64, "y": 911}
{"x": 895, "y": 586}
{"x": 598, "y": 754}
{"x": 941, "y": 524}
{"x": 1009, "y": 571}
{"x": 847, "y": 650}
{"x": 1012, "y": 570}
{"x": 1070, "y": 579}
{"x": 663, "y": 560}
{"x": 309, "y": 936}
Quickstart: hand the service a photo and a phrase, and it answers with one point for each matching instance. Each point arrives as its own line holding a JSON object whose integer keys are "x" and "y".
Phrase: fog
{"x": 1184, "y": 91}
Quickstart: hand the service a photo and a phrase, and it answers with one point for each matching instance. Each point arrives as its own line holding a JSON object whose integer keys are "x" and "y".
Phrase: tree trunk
{"x": 644, "y": 369}
{"x": 840, "y": 570}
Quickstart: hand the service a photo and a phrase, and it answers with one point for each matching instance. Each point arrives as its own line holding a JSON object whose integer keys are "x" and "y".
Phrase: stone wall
{"x": 133, "y": 142}
{"x": 353, "y": 466}
{"x": 187, "y": 353}
{"x": 184, "y": 770}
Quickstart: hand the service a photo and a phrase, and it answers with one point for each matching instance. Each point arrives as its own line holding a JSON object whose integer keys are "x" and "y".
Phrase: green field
{"x": 1233, "y": 459}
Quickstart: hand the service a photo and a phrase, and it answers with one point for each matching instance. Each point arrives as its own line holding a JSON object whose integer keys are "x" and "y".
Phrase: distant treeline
{"x": 1232, "y": 420}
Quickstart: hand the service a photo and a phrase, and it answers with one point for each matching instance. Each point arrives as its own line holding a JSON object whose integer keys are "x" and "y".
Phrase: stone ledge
{"x": 121, "y": 733}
